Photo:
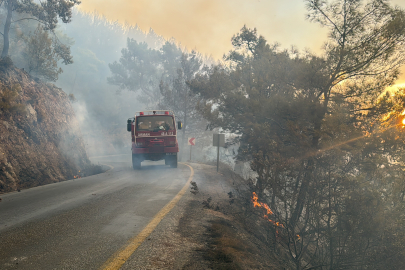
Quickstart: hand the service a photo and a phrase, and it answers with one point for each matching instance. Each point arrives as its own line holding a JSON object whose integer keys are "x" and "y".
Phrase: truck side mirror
{"x": 179, "y": 124}
{"x": 129, "y": 124}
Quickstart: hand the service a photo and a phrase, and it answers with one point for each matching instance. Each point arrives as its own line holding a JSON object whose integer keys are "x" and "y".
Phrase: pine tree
{"x": 41, "y": 55}
{"x": 47, "y": 13}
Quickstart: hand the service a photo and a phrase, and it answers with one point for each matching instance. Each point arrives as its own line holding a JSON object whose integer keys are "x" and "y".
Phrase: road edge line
{"x": 116, "y": 261}
{"x": 110, "y": 167}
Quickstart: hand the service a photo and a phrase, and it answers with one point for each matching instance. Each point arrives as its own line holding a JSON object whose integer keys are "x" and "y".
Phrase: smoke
{"x": 208, "y": 25}
{"x": 81, "y": 112}
{"x": 102, "y": 134}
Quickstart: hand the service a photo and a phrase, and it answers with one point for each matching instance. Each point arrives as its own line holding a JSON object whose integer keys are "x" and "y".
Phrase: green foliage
{"x": 366, "y": 39}
{"x": 246, "y": 43}
{"x": 147, "y": 70}
{"x": 47, "y": 13}
{"x": 323, "y": 141}
{"x": 136, "y": 65}
{"x": 8, "y": 100}
{"x": 42, "y": 55}
{"x": 138, "y": 69}
{"x": 175, "y": 91}
{"x": 177, "y": 95}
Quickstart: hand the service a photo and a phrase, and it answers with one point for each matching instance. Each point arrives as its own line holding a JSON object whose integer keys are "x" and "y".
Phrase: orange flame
{"x": 255, "y": 199}
{"x": 256, "y": 203}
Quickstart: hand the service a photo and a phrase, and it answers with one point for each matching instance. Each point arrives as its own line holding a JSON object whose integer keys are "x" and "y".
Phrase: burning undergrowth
{"x": 267, "y": 209}
{"x": 237, "y": 234}
{"x": 89, "y": 170}
{"x": 248, "y": 224}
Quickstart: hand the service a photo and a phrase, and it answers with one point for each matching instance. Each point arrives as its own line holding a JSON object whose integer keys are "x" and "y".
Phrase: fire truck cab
{"x": 154, "y": 137}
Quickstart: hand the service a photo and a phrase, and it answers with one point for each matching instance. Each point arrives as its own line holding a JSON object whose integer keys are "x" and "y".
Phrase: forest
{"x": 322, "y": 135}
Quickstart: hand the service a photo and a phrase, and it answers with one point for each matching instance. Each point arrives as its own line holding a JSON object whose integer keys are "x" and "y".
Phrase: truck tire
{"x": 173, "y": 162}
{"x": 136, "y": 162}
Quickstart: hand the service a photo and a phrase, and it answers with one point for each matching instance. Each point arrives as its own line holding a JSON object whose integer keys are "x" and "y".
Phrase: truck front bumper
{"x": 154, "y": 150}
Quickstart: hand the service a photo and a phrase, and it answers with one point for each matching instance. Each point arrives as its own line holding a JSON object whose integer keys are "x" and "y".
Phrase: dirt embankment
{"x": 40, "y": 139}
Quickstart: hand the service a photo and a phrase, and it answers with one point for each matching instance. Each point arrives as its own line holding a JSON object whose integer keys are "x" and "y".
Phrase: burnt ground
{"x": 206, "y": 230}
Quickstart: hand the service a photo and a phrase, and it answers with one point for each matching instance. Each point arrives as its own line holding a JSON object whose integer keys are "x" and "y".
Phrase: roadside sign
{"x": 191, "y": 141}
{"x": 219, "y": 140}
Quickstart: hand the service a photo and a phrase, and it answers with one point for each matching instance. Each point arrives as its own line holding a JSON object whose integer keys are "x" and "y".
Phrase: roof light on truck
{"x": 167, "y": 113}
{"x": 141, "y": 113}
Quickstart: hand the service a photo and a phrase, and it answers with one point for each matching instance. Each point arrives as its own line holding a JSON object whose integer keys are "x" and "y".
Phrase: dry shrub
{"x": 8, "y": 100}
{"x": 41, "y": 115}
{"x": 72, "y": 98}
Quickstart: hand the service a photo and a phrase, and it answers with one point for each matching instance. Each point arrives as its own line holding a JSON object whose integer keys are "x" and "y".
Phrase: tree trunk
{"x": 6, "y": 44}
{"x": 308, "y": 175}
{"x": 302, "y": 194}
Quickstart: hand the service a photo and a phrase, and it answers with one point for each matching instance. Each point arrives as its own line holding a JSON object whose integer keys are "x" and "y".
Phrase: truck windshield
{"x": 154, "y": 123}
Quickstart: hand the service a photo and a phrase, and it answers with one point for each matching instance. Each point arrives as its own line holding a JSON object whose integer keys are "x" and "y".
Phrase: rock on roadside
{"x": 40, "y": 139}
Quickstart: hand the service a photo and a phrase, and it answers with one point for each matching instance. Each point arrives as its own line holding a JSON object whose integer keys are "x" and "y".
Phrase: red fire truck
{"x": 154, "y": 137}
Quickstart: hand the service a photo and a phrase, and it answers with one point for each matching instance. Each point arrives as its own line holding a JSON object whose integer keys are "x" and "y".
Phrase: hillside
{"x": 40, "y": 140}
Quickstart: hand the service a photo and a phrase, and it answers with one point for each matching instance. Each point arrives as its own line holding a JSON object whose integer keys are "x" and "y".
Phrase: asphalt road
{"x": 80, "y": 224}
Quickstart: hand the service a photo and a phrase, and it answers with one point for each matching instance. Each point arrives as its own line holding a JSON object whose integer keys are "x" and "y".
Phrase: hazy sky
{"x": 208, "y": 25}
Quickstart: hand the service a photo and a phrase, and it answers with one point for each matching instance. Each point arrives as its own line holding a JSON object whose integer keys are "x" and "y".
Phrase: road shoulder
{"x": 202, "y": 232}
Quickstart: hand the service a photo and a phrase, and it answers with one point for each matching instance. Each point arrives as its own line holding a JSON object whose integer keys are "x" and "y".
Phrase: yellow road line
{"x": 111, "y": 167}
{"x": 119, "y": 258}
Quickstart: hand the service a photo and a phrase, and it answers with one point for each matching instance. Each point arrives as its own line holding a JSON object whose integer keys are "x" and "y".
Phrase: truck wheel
{"x": 173, "y": 162}
{"x": 136, "y": 163}
{"x": 167, "y": 160}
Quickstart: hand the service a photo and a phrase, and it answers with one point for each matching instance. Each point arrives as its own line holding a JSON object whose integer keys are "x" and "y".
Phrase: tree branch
{"x": 327, "y": 18}
{"x": 28, "y": 19}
